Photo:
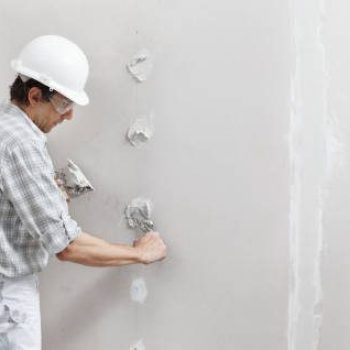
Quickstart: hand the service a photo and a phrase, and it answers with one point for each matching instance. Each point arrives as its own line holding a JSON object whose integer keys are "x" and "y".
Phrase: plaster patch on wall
{"x": 138, "y": 214}
{"x": 73, "y": 180}
{"x": 141, "y": 65}
{"x": 138, "y": 290}
{"x": 140, "y": 131}
{"x": 139, "y": 345}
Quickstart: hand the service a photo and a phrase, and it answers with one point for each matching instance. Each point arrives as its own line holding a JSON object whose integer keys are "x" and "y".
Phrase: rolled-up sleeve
{"x": 27, "y": 179}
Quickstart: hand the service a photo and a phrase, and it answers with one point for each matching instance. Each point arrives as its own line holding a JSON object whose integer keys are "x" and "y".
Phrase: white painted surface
{"x": 308, "y": 167}
{"x": 217, "y": 170}
{"x": 336, "y": 262}
{"x": 319, "y": 191}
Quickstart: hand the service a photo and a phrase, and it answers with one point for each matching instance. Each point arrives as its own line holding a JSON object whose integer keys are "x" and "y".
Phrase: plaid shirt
{"x": 34, "y": 219}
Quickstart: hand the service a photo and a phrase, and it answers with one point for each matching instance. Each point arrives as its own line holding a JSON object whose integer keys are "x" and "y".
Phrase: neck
{"x": 24, "y": 108}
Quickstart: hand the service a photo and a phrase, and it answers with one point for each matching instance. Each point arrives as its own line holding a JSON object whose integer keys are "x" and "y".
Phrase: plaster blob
{"x": 138, "y": 290}
{"x": 73, "y": 180}
{"x": 140, "y": 131}
{"x": 138, "y": 346}
{"x": 138, "y": 214}
{"x": 141, "y": 65}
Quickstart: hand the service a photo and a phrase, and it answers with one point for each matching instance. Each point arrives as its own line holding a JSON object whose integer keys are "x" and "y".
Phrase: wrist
{"x": 138, "y": 255}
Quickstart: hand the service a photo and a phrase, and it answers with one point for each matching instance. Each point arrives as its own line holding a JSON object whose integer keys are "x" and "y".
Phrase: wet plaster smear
{"x": 138, "y": 214}
{"x": 315, "y": 154}
{"x": 140, "y": 65}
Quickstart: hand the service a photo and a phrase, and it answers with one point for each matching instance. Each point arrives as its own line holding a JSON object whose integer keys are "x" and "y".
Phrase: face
{"x": 48, "y": 114}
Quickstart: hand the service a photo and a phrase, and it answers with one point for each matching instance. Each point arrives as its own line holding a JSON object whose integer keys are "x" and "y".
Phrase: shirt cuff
{"x": 65, "y": 233}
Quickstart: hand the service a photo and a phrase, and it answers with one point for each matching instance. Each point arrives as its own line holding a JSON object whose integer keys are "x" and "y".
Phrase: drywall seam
{"x": 318, "y": 302}
{"x": 293, "y": 311}
{"x": 314, "y": 150}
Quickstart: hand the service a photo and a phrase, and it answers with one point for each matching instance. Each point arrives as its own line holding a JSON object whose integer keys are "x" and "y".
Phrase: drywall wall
{"x": 335, "y": 263}
{"x": 217, "y": 170}
{"x": 310, "y": 172}
{"x": 318, "y": 312}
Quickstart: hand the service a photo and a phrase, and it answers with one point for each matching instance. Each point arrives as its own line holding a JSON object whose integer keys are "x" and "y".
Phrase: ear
{"x": 34, "y": 96}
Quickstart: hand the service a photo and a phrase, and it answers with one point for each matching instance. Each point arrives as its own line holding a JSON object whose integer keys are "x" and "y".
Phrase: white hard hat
{"x": 57, "y": 63}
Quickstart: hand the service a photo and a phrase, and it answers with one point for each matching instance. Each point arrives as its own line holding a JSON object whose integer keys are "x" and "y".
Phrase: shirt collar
{"x": 38, "y": 133}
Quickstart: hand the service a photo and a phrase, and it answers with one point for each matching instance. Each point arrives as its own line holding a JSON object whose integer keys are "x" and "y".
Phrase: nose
{"x": 68, "y": 115}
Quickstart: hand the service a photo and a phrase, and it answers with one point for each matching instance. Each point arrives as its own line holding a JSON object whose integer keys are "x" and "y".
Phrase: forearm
{"x": 93, "y": 251}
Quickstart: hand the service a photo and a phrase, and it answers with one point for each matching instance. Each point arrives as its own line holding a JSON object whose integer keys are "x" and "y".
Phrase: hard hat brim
{"x": 80, "y": 98}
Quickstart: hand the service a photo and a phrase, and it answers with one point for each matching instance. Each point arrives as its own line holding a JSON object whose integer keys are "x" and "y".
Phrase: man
{"x": 34, "y": 219}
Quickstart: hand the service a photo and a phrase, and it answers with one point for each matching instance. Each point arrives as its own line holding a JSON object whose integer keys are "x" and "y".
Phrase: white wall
{"x": 335, "y": 265}
{"x": 319, "y": 154}
{"x": 218, "y": 170}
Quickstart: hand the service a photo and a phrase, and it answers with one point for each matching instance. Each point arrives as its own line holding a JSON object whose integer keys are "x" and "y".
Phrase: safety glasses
{"x": 61, "y": 104}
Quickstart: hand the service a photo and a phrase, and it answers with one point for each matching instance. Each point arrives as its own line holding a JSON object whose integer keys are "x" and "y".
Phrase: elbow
{"x": 66, "y": 254}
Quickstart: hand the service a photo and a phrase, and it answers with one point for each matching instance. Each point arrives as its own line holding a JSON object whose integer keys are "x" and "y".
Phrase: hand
{"x": 151, "y": 248}
{"x": 60, "y": 184}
